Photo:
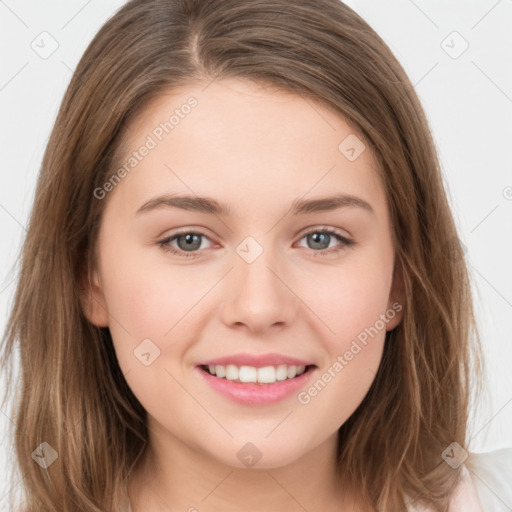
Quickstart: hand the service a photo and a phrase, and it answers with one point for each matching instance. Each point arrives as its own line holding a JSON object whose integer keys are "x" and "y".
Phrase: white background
{"x": 468, "y": 101}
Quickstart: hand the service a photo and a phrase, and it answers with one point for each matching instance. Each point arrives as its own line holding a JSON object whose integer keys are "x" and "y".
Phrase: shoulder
{"x": 485, "y": 486}
{"x": 491, "y": 475}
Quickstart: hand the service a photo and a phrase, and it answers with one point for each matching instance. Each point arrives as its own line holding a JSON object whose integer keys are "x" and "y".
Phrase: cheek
{"x": 148, "y": 297}
{"x": 153, "y": 323}
{"x": 350, "y": 300}
{"x": 351, "y": 306}
{"x": 149, "y": 302}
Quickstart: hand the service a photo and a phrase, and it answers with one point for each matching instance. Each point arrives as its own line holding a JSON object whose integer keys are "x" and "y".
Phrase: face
{"x": 239, "y": 270}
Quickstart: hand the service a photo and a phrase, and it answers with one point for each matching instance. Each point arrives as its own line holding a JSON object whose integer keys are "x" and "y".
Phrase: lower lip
{"x": 256, "y": 394}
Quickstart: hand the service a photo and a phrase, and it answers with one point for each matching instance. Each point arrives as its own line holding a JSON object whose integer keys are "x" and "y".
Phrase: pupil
{"x": 317, "y": 238}
{"x": 189, "y": 241}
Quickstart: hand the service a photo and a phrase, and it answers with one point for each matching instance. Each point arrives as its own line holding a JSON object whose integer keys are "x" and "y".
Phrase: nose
{"x": 259, "y": 295}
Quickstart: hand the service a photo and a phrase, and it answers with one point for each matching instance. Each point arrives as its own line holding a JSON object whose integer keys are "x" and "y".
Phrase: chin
{"x": 255, "y": 456}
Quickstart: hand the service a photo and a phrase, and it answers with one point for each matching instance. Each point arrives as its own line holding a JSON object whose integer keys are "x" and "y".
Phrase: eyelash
{"x": 345, "y": 242}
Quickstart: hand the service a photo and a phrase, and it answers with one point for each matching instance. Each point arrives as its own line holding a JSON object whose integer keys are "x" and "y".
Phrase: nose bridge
{"x": 257, "y": 295}
{"x": 255, "y": 280}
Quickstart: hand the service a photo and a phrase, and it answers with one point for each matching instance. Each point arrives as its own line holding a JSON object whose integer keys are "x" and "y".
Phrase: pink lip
{"x": 258, "y": 361}
{"x": 257, "y": 394}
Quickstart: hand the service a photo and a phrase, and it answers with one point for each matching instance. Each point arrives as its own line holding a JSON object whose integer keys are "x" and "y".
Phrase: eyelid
{"x": 199, "y": 230}
{"x": 323, "y": 227}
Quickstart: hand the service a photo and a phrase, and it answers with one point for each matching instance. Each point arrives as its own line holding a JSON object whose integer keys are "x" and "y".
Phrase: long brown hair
{"x": 71, "y": 392}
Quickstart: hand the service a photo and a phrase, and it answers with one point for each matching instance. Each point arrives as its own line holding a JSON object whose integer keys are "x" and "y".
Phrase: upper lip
{"x": 258, "y": 361}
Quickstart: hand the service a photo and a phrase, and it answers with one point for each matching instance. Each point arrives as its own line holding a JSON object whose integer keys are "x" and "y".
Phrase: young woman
{"x": 241, "y": 285}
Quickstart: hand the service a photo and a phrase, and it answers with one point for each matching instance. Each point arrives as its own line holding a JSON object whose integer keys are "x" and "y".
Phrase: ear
{"x": 93, "y": 301}
{"x": 396, "y": 301}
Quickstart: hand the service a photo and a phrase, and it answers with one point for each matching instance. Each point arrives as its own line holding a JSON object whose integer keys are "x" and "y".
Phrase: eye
{"x": 189, "y": 242}
{"x": 321, "y": 238}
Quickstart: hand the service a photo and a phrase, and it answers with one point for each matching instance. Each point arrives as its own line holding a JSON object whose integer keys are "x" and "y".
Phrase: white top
{"x": 491, "y": 474}
{"x": 486, "y": 485}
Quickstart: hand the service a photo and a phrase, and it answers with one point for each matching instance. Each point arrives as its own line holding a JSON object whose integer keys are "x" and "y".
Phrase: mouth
{"x": 263, "y": 376}
{"x": 257, "y": 379}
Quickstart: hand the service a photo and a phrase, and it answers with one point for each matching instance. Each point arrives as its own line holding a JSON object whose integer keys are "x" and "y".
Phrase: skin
{"x": 257, "y": 150}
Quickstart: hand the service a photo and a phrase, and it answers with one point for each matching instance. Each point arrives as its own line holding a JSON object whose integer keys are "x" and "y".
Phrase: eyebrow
{"x": 211, "y": 206}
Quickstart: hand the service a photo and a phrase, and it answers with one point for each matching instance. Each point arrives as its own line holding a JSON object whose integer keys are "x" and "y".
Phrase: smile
{"x": 251, "y": 374}
{"x": 253, "y": 391}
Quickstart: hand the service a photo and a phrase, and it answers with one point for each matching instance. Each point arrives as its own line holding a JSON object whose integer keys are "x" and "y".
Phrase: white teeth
{"x": 231, "y": 372}
{"x": 291, "y": 372}
{"x": 247, "y": 374}
{"x": 265, "y": 375}
{"x": 282, "y": 372}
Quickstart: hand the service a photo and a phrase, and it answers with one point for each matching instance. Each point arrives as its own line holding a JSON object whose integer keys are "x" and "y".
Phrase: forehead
{"x": 237, "y": 139}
